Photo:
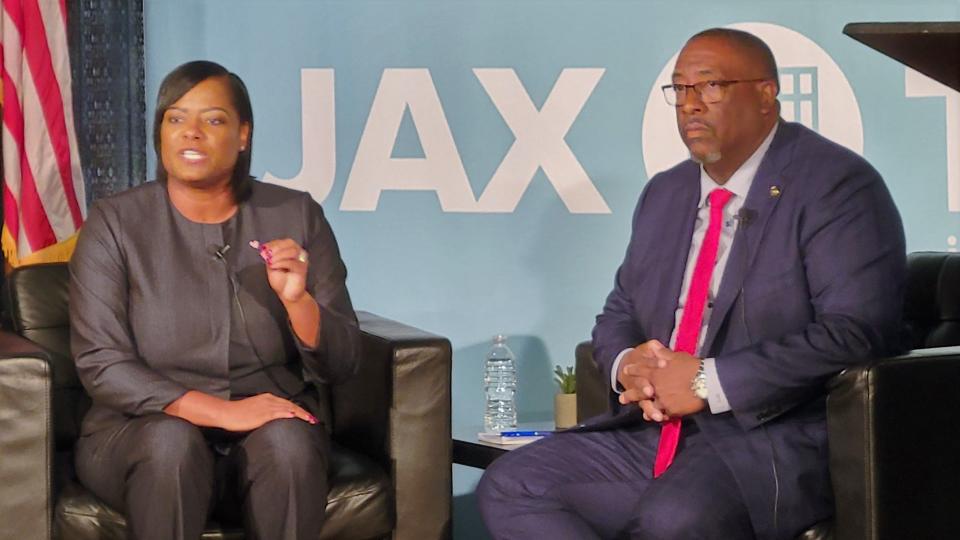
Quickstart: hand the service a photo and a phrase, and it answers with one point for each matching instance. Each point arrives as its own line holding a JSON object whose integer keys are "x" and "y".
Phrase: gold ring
{"x": 302, "y": 257}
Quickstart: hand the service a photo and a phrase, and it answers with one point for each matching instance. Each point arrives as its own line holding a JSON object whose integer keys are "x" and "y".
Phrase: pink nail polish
{"x": 265, "y": 253}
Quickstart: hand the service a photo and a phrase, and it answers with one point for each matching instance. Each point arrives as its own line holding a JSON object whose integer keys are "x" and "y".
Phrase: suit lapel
{"x": 678, "y": 221}
{"x": 761, "y": 202}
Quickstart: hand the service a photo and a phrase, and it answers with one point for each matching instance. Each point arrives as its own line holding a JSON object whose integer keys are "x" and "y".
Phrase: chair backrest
{"x": 931, "y": 311}
{"x": 36, "y": 306}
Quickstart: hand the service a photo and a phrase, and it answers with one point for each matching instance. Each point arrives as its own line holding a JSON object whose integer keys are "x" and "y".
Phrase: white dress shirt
{"x": 738, "y": 184}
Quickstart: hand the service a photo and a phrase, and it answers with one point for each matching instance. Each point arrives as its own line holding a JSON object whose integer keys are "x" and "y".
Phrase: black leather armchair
{"x": 392, "y": 454}
{"x": 892, "y": 423}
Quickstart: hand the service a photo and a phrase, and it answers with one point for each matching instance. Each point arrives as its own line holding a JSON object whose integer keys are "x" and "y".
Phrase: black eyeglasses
{"x": 709, "y": 91}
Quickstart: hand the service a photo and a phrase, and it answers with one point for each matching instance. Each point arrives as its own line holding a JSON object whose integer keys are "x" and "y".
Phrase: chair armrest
{"x": 593, "y": 393}
{"x": 26, "y": 439}
{"x": 397, "y": 410}
{"x": 894, "y": 447}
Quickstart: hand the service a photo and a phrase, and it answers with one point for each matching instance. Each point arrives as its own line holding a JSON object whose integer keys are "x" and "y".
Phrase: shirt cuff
{"x": 716, "y": 399}
{"x": 616, "y": 369}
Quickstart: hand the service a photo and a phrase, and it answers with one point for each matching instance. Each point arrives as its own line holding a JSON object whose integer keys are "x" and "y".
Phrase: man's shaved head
{"x": 750, "y": 45}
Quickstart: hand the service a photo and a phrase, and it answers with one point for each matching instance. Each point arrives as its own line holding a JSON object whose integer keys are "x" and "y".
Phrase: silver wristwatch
{"x": 699, "y": 383}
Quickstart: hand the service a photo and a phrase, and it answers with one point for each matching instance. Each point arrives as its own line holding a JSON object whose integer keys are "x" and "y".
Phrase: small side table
{"x": 470, "y": 451}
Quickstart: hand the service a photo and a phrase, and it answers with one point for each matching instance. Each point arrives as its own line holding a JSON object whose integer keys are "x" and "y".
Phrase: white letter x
{"x": 539, "y": 140}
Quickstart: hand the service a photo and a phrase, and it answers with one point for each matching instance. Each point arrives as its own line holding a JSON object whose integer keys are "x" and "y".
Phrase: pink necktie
{"x": 691, "y": 321}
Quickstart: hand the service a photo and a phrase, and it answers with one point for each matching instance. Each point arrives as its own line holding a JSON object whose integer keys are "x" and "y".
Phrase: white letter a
{"x": 374, "y": 170}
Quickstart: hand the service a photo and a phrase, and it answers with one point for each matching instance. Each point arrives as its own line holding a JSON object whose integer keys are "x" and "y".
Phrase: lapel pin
{"x": 774, "y": 192}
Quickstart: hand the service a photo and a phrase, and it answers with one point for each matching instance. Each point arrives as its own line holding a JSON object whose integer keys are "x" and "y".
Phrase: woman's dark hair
{"x": 180, "y": 81}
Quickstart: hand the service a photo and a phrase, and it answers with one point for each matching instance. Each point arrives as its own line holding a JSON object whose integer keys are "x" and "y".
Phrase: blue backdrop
{"x": 479, "y": 160}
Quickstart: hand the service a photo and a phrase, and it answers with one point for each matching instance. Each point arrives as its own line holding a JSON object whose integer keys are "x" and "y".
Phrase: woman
{"x": 207, "y": 311}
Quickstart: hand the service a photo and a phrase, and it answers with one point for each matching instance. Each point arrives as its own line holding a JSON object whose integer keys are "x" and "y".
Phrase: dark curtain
{"x": 106, "y": 56}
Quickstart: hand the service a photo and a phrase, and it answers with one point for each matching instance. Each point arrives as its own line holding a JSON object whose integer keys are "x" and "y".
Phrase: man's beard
{"x": 709, "y": 158}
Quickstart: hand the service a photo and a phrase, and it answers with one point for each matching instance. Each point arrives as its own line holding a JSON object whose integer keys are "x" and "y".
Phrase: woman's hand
{"x": 205, "y": 410}
{"x": 252, "y": 412}
{"x": 287, "y": 264}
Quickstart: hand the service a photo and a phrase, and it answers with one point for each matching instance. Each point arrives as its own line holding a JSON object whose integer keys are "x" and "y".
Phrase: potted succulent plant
{"x": 565, "y": 402}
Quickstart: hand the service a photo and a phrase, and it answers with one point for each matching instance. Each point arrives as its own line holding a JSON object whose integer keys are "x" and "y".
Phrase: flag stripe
{"x": 14, "y": 13}
{"x": 54, "y": 18}
{"x": 36, "y": 227}
{"x": 38, "y": 146}
{"x": 45, "y": 80}
{"x": 11, "y": 212}
{"x": 9, "y": 53}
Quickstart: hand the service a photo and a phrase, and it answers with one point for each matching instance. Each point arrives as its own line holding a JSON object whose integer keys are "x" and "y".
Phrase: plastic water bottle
{"x": 500, "y": 386}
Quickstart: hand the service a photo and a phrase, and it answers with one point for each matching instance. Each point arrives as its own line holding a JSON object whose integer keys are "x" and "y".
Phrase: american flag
{"x": 43, "y": 194}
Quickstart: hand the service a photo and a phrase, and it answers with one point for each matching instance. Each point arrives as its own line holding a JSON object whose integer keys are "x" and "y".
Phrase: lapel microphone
{"x": 745, "y": 216}
{"x": 219, "y": 252}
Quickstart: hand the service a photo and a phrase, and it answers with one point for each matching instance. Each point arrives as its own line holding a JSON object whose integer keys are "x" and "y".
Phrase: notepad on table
{"x": 513, "y": 436}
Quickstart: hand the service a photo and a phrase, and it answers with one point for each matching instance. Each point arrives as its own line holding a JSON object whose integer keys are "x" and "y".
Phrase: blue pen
{"x": 525, "y": 433}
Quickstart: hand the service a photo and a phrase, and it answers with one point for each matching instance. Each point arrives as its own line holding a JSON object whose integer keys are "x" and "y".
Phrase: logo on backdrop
{"x": 917, "y": 85}
{"x": 539, "y": 142}
{"x": 813, "y": 91}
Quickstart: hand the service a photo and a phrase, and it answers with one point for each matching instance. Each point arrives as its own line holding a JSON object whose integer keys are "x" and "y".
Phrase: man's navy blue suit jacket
{"x": 813, "y": 284}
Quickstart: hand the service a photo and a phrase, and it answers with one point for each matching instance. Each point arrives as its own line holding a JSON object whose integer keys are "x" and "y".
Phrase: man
{"x": 758, "y": 269}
